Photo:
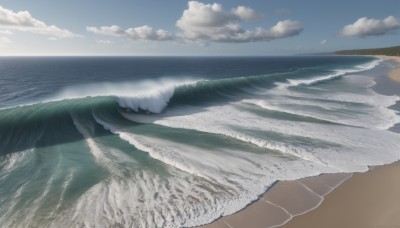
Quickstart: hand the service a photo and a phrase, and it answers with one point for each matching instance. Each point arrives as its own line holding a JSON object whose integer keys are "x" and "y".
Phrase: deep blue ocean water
{"x": 174, "y": 141}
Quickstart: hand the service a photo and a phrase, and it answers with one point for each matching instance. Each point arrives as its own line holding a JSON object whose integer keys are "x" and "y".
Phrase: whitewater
{"x": 180, "y": 142}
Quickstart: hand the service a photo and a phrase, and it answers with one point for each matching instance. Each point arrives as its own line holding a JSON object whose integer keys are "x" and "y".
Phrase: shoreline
{"x": 394, "y": 75}
{"x": 359, "y": 199}
{"x": 283, "y": 201}
{"x": 368, "y": 199}
{"x": 279, "y": 205}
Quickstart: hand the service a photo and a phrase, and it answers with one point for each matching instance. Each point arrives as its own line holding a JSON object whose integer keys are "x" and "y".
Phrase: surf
{"x": 140, "y": 144}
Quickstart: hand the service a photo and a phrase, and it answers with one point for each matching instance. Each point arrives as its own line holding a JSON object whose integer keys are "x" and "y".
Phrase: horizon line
{"x": 78, "y": 55}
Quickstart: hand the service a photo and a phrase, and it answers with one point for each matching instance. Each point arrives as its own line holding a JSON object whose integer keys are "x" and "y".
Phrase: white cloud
{"x": 370, "y": 27}
{"x": 113, "y": 30}
{"x": 147, "y": 33}
{"x": 6, "y": 32}
{"x": 23, "y": 21}
{"x": 246, "y": 13}
{"x": 104, "y": 42}
{"x": 209, "y": 22}
{"x": 323, "y": 42}
{"x": 138, "y": 33}
{"x": 5, "y": 40}
{"x": 285, "y": 28}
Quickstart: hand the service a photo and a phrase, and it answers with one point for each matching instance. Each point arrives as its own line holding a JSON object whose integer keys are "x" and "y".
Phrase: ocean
{"x": 179, "y": 141}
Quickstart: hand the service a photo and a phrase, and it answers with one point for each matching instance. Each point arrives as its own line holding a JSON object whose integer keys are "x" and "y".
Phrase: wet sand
{"x": 285, "y": 200}
{"x": 369, "y": 200}
{"x": 363, "y": 200}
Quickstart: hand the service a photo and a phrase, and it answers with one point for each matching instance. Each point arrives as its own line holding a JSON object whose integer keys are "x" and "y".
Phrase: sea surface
{"x": 174, "y": 141}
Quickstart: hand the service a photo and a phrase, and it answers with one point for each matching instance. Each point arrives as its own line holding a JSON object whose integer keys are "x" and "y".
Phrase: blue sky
{"x": 179, "y": 27}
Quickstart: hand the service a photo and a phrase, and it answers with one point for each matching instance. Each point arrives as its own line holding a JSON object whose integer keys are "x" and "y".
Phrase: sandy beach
{"x": 285, "y": 200}
{"x": 360, "y": 200}
{"x": 394, "y": 74}
{"x": 363, "y": 200}
{"x": 368, "y": 199}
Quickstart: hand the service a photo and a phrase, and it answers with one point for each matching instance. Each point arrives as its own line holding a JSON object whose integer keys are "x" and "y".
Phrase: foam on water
{"x": 65, "y": 186}
{"x": 9, "y": 163}
{"x": 369, "y": 110}
{"x": 150, "y": 95}
{"x": 97, "y": 152}
{"x": 231, "y": 121}
{"x": 151, "y": 175}
{"x": 314, "y": 147}
{"x": 337, "y": 73}
{"x": 241, "y": 186}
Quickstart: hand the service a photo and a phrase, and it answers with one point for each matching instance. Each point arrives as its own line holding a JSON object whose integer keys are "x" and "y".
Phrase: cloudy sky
{"x": 181, "y": 27}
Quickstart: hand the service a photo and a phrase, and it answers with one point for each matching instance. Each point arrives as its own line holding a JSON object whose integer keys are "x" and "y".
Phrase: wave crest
{"x": 337, "y": 73}
{"x": 148, "y": 95}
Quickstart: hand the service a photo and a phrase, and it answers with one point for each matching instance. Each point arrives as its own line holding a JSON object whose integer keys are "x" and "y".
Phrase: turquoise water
{"x": 167, "y": 142}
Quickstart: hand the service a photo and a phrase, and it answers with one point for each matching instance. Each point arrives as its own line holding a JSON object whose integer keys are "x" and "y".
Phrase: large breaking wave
{"x": 169, "y": 152}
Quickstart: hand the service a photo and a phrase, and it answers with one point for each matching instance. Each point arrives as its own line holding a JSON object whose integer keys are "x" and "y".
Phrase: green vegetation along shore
{"x": 390, "y": 51}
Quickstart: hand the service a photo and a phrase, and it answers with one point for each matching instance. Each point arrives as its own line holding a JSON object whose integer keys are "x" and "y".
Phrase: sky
{"x": 195, "y": 28}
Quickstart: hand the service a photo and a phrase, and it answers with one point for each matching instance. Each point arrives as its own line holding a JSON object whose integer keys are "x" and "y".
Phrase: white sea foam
{"x": 146, "y": 95}
{"x": 38, "y": 202}
{"x": 14, "y": 160}
{"x": 368, "y": 116}
{"x": 193, "y": 185}
{"x": 233, "y": 122}
{"x": 100, "y": 157}
{"x": 355, "y": 104}
{"x": 240, "y": 186}
{"x": 150, "y": 95}
{"x": 65, "y": 186}
{"x": 337, "y": 149}
{"x": 337, "y": 73}
{"x": 312, "y": 147}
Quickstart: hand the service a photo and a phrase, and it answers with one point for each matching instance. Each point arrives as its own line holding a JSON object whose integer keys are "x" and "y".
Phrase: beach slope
{"x": 368, "y": 199}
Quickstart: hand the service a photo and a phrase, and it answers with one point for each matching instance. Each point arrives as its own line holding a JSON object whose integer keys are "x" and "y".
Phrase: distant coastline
{"x": 387, "y": 51}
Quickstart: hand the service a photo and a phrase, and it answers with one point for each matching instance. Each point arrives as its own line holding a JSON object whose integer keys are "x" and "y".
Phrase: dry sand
{"x": 282, "y": 202}
{"x": 394, "y": 74}
{"x": 367, "y": 200}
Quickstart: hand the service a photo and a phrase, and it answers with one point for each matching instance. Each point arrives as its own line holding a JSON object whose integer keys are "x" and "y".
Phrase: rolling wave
{"x": 337, "y": 73}
{"x": 172, "y": 153}
{"x": 155, "y": 95}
